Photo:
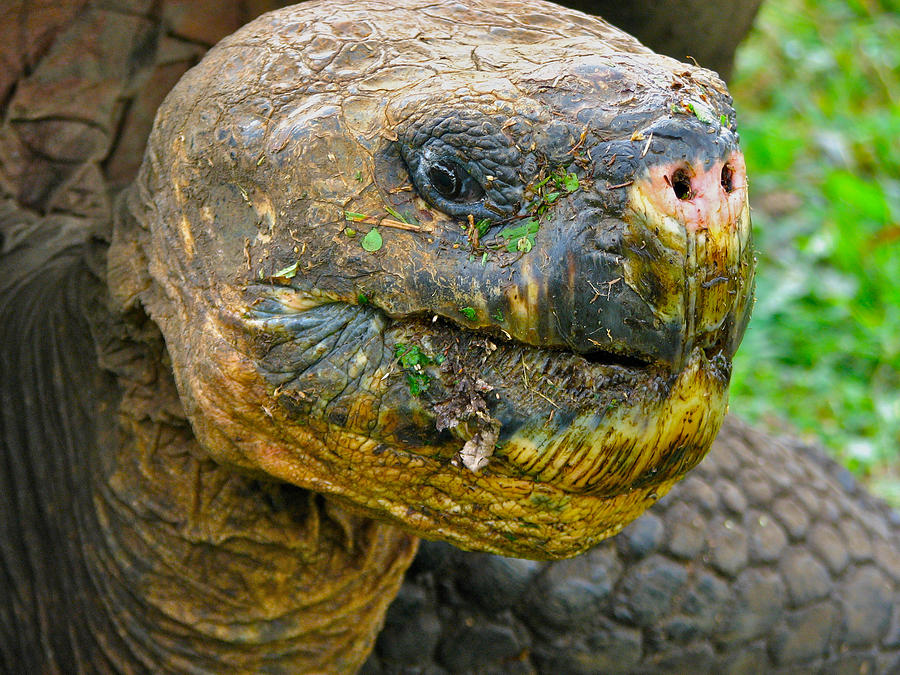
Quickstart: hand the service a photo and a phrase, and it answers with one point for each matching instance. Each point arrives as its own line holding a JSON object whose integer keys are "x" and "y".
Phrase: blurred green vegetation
{"x": 817, "y": 88}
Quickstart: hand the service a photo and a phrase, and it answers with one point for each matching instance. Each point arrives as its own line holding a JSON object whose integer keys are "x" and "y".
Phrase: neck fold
{"x": 127, "y": 549}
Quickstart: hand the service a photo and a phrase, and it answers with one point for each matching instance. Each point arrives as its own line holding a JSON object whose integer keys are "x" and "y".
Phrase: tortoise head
{"x": 477, "y": 271}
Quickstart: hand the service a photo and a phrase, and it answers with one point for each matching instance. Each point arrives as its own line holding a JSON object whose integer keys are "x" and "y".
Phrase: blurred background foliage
{"x": 817, "y": 88}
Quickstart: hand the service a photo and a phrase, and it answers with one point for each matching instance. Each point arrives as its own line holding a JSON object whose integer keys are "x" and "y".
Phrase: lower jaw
{"x": 572, "y": 466}
{"x": 648, "y": 433}
{"x": 519, "y": 505}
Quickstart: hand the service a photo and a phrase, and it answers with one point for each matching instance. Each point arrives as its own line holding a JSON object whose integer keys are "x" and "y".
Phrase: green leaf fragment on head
{"x": 396, "y": 214}
{"x": 701, "y": 112}
{"x": 571, "y": 182}
{"x": 468, "y": 312}
{"x": 513, "y": 236}
{"x": 483, "y": 226}
{"x": 359, "y": 176}
{"x": 349, "y": 231}
{"x": 417, "y": 383}
{"x": 362, "y": 299}
{"x": 723, "y": 120}
{"x": 410, "y": 356}
{"x": 543, "y": 182}
{"x": 288, "y": 272}
{"x": 372, "y": 241}
{"x": 414, "y": 361}
{"x": 514, "y": 232}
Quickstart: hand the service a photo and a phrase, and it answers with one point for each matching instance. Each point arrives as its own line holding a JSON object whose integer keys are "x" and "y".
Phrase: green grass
{"x": 817, "y": 88}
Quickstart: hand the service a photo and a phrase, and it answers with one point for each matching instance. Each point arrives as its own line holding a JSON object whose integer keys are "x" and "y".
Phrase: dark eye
{"x": 446, "y": 179}
{"x": 449, "y": 181}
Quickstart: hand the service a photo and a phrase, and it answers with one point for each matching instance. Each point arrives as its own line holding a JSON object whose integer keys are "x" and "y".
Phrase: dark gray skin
{"x": 49, "y": 289}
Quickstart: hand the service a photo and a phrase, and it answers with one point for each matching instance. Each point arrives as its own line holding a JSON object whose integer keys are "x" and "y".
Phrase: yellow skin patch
{"x": 709, "y": 227}
{"x": 590, "y": 370}
{"x": 609, "y": 451}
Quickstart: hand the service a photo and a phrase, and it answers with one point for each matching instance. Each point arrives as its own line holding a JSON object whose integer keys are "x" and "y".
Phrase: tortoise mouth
{"x": 573, "y": 444}
{"x": 606, "y": 358}
{"x": 598, "y": 423}
{"x": 560, "y": 444}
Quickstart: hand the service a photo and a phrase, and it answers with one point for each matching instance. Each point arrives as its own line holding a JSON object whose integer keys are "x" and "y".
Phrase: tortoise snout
{"x": 688, "y": 203}
{"x": 656, "y": 260}
{"x": 675, "y": 272}
{"x": 700, "y": 194}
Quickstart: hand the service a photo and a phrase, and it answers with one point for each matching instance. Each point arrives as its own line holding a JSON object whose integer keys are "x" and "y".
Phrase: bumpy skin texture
{"x": 599, "y": 370}
{"x": 767, "y": 558}
{"x": 123, "y": 548}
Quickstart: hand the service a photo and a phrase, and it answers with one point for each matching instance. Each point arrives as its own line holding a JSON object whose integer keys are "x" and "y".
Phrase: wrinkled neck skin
{"x": 236, "y": 574}
{"x": 163, "y": 561}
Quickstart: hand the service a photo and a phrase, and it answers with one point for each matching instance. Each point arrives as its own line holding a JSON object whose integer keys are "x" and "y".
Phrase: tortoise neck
{"x": 213, "y": 570}
{"x": 162, "y": 561}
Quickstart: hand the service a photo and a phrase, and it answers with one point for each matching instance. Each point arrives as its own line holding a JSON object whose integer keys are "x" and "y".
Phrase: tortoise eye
{"x": 446, "y": 179}
{"x": 446, "y": 183}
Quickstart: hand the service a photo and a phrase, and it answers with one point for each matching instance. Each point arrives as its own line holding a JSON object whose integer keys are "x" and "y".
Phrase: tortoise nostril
{"x": 727, "y": 178}
{"x": 681, "y": 184}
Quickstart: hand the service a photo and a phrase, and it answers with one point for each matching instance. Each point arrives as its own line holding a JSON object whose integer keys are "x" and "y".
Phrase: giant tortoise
{"x": 472, "y": 272}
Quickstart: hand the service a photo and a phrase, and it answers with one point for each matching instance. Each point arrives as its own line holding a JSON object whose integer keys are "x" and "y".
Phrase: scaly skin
{"x": 234, "y": 241}
{"x": 767, "y": 558}
{"x": 150, "y": 557}
{"x": 174, "y": 562}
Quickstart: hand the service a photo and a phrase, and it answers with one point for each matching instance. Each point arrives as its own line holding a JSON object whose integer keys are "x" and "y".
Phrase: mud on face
{"x": 574, "y": 329}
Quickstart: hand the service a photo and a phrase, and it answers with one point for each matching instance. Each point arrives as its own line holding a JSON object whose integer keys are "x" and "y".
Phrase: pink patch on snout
{"x": 699, "y": 199}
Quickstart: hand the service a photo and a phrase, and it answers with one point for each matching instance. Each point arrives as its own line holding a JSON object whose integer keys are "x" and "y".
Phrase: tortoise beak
{"x": 657, "y": 261}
